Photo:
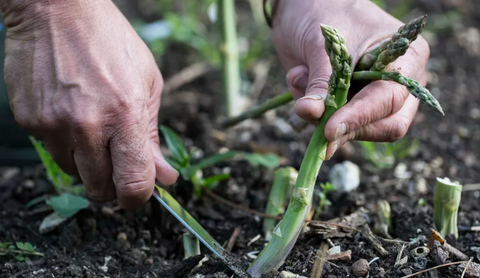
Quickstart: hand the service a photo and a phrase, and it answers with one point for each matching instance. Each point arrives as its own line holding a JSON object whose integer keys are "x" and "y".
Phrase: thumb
{"x": 311, "y": 106}
{"x": 165, "y": 173}
{"x": 133, "y": 162}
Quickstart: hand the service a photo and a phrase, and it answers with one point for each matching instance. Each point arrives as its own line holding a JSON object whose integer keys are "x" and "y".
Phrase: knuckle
{"x": 131, "y": 186}
{"x": 397, "y": 130}
{"x": 84, "y": 123}
{"x": 319, "y": 81}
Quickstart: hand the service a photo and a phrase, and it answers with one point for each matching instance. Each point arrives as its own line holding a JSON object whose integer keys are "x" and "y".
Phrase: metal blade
{"x": 196, "y": 229}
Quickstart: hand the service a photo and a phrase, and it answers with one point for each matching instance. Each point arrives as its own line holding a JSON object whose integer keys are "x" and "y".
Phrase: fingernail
{"x": 300, "y": 82}
{"x": 341, "y": 130}
{"x": 312, "y": 97}
{"x": 334, "y": 149}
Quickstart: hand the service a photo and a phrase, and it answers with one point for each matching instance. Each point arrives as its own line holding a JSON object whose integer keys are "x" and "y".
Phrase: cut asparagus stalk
{"x": 259, "y": 110}
{"x": 279, "y": 194}
{"x": 191, "y": 245}
{"x": 384, "y": 218}
{"x": 446, "y": 201}
{"x": 413, "y": 86}
{"x": 287, "y": 231}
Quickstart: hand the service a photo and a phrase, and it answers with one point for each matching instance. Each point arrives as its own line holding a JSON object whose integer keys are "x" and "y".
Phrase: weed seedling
{"x": 21, "y": 251}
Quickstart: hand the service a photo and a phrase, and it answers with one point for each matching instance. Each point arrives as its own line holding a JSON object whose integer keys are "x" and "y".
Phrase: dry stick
{"x": 320, "y": 261}
{"x": 261, "y": 214}
{"x": 233, "y": 239}
{"x": 186, "y": 75}
{"x": 466, "y": 267}
{"x": 435, "y": 267}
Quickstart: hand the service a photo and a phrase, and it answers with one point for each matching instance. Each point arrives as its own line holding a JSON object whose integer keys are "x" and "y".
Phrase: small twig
{"x": 435, "y": 267}
{"x": 320, "y": 261}
{"x": 233, "y": 239}
{"x": 265, "y": 215}
{"x": 466, "y": 267}
{"x": 370, "y": 237}
{"x": 471, "y": 187}
{"x": 186, "y": 75}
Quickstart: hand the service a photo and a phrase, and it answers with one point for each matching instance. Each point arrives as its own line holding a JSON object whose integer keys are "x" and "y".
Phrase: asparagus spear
{"x": 391, "y": 53}
{"x": 409, "y": 31}
{"x": 446, "y": 201}
{"x": 413, "y": 86}
{"x": 287, "y": 231}
{"x": 279, "y": 194}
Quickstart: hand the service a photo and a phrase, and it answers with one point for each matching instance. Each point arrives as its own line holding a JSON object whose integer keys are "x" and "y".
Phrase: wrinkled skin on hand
{"x": 81, "y": 80}
{"x": 381, "y": 111}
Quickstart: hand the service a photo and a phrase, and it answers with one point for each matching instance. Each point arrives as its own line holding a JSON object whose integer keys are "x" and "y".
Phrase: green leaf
{"x": 212, "y": 182}
{"x": 25, "y": 246}
{"x": 266, "y": 160}
{"x": 59, "y": 179}
{"x": 179, "y": 152}
{"x": 67, "y": 205}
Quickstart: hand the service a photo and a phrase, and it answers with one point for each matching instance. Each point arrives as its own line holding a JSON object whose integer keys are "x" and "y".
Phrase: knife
{"x": 196, "y": 229}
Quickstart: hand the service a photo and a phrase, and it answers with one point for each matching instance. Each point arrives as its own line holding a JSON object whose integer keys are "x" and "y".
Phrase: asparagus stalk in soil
{"x": 446, "y": 201}
{"x": 279, "y": 194}
{"x": 287, "y": 231}
{"x": 230, "y": 57}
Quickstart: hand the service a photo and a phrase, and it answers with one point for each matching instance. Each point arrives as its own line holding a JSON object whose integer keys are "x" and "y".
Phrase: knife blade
{"x": 196, "y": 229}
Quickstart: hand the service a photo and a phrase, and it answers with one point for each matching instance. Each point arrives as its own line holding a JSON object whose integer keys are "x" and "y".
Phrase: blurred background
{"x": 184, "y": 37}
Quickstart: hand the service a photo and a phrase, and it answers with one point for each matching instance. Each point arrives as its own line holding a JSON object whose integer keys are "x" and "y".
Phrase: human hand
{"x": 80, "y": 79}
{"x": 382, "y": 110}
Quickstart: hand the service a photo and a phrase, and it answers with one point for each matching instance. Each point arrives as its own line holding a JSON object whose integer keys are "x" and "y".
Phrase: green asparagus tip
{"x": 412, "y": 29}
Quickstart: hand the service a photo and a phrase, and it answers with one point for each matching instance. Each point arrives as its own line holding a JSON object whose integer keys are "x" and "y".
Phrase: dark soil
{"x": 105, "y": 241}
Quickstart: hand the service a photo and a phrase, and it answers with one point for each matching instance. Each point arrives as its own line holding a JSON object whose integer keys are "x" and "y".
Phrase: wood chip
{"x": 370, "y": 237}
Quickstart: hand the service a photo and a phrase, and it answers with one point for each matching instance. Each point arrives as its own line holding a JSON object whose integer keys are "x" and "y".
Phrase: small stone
{"x": 28, "y": 184}
{"x": 286, "y": 274}
{"x": 360, "y": 268}
{"x": 122, "y": 237}
{"x": 146, "y": 235}
{"x": 345, "y": 177}
{"x": 400, "y": 171}
{"x": 406, "y": 271}
{"x": 7, "y": 174}
{"x": 107, "y": 211}
{"x": 437, "y": 162}
{"x": 463, "y": 132}
{"x": 474, "y": 113}
{"x": 421, "y": 186}
{"x": 148, "y": 261}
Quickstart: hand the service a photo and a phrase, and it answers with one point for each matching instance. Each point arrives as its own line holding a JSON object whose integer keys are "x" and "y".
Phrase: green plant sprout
{"x": 191, "y": 245}
{"x": 384, "y": 219}
{"x": 282, "y": 187}
{"x": 67, "y": 203}
{"x": 181, "y": 160}
{"x": 21, "y": 251}
{"x": 446, "y": 201}
{"x": 63, "y": 183}
{"x": 385, "y": 155}
{"x": 326, "y": 187}
{"x": 287, "y": 231}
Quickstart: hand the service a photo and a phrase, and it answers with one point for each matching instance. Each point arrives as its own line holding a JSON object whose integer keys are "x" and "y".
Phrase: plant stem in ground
{"x": 287, "y": 231}
{"x": 279, "y": 194}
{"x": 230, "y": 57}
{"x": 191, "y": 245}
{"x": 446, "y": 201}
{"x": 413, "y": 86}
{"x": 259, "y": 110}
